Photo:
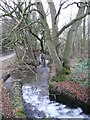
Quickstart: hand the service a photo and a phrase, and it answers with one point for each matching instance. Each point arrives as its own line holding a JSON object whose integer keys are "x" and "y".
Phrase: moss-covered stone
{"x": 20, "y": 112}
{"x": 16, "y": 98}
{"x": 66, "y": 70}
{"x": 61, "y": 76}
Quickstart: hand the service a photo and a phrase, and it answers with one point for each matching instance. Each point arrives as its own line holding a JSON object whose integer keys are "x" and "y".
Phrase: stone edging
{"x": 66, "y": 98}
{"x": 17, "y": 100}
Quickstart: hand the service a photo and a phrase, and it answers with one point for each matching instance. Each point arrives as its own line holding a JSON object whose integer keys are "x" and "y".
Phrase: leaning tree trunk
{"x": 48, "y": 37}
{"x": 55, "y": 38}
{"x": 68, "y": 48}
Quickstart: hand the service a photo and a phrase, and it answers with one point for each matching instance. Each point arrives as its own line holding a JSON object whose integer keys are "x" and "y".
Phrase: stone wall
{"x": 17, "y": 100}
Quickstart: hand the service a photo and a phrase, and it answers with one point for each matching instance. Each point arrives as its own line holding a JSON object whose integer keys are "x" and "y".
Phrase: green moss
{"x": 16, "y": 99}
{"x": 61, "y": 76}
{"x": 66, "y": 70}
{"x": 21, "y": 112}
{"x": 66, "y": 66}
{"x": 50, "y": 85}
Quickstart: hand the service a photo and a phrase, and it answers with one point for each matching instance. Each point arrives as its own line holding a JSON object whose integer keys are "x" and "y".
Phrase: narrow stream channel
{"x": 38, "y": 105}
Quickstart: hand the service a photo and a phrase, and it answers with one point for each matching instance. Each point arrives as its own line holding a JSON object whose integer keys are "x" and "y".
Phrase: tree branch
{"x": 30, "y": 25}
{"x": 10, "y": 14}
{"x": 37, "y": 11}
{"x": 61, "y": 4}
{"x": 34, "y": 35}
{"x": 72, "y": 22}
{"x": 77, "y": 3}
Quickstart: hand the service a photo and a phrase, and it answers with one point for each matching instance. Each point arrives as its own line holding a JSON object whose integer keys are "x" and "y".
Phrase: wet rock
{"x": 5, "y": 76}
{"x": 8, "y": 83}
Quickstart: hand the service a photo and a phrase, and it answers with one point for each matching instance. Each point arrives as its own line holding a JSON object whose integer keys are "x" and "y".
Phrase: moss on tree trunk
{"x": 62, "y": 75}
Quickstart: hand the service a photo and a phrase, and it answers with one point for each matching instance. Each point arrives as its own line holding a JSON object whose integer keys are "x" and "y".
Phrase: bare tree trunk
{"x": 89, "y": 33}
{"x": 68, "y": 48}
{"x": 84, "y": 37}
{"x": 54, "y": 23}
{"x": 0, "y": 71}
{"x": 55, "y": 38}
{"x": 48, "y": 37}
{"x": 30, "y": 45}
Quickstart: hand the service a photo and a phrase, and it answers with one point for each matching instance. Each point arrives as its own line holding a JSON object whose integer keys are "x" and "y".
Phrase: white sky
{"x": 66, "y": 14}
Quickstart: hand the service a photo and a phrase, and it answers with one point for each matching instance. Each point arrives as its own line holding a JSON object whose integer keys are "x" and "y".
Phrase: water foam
{"x": 51, "y": 109}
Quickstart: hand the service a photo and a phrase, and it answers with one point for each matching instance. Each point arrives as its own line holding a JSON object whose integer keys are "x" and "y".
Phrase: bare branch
{"x": 61, "y": 4}
{"x": 37, "y": 11}
{"x": 10, "y": 13}
{"x": 30, "y": 24}
{"x": 77, "y": 3}
{"x": 72, "y": 22}
{"x": 29, "y": 68}
{"x": 34, "y": 35}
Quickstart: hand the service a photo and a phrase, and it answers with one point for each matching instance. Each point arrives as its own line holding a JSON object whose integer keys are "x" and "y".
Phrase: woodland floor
{"x": 76, "y": 87}
{"x": 77, "y": 83}
{"x": 5, "y": 103}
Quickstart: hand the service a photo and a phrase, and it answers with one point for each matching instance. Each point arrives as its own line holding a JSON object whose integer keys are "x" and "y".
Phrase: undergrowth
{"x": 81, "y": 73}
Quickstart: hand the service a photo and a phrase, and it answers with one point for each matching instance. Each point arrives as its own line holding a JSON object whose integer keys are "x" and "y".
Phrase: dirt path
{"x": 6, "y": 66}
{"x": 7, "y": 62}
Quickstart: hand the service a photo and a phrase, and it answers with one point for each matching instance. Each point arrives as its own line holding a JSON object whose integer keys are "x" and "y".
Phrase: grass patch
{"x": 81, "y": 73}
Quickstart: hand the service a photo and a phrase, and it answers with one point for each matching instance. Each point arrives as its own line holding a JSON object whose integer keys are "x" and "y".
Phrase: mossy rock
{"x": 21, "y": 112}
{"x": 66, "y": 70}
{"x": 61, "y": 76}
{"x": 51, "y": 85}
{"x": 17, "y": 99}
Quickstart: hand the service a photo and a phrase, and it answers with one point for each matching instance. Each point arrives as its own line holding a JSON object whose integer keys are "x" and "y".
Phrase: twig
{"x": 61, "y": 4}
{"x": 29, "y": 67}
{"x": 30, "y": 25}
{"x": 77, "y": 3}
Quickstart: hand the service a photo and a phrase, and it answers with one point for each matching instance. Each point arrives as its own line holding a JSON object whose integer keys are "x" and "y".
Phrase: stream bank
{"x": 61, "y": 93}
{"x": 37, "y": 103}
{"x": 36, "y": 99}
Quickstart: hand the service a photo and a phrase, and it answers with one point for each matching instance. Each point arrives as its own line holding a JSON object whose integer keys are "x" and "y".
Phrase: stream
{"x": 38, "y": 105}
{"x": 36, "y": 98}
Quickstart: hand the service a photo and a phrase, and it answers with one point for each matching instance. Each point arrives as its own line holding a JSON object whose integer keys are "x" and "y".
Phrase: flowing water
{"x": 36, "y": 99}
{"x": 38, "y": 105}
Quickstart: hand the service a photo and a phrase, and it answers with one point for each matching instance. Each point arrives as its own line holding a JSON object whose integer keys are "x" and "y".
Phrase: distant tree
{"x": 7, "y": 25}
{"x": 71, "y": 37}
